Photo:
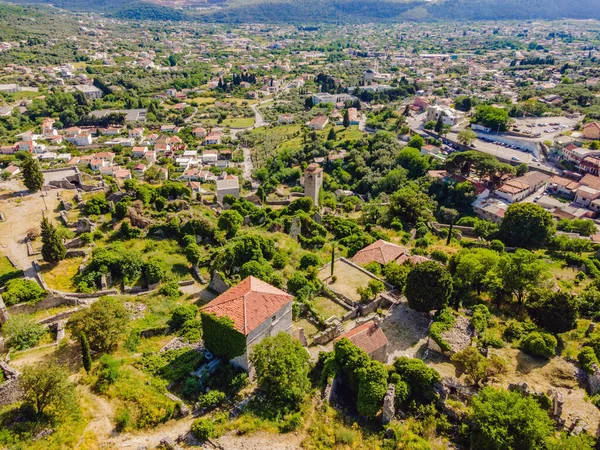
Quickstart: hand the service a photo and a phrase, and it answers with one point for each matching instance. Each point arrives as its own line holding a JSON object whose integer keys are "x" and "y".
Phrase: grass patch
{"x": 8, "y": 271}
{"x": 60, "y": 276}
{"x": 327, "y": 307}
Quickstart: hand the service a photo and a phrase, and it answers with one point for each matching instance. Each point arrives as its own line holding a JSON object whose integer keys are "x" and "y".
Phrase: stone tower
{"x": 313, "y": 180}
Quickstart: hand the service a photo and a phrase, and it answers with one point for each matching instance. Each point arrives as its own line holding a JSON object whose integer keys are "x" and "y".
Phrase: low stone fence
{"x": 10, "y": 390}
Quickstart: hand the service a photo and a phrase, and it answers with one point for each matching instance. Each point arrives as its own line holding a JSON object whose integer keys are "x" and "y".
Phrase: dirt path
{"x": 22, "y": 211}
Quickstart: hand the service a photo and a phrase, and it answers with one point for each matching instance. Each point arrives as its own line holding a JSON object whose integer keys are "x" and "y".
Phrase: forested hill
{"x": 340, "y": 11}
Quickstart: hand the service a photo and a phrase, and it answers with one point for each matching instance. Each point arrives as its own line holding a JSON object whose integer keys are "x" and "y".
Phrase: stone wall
{"x": 10, "y": 390}
{"x": 217, "y": 283}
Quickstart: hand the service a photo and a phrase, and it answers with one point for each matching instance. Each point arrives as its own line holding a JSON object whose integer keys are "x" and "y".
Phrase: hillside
{"x": 334, "y": 11}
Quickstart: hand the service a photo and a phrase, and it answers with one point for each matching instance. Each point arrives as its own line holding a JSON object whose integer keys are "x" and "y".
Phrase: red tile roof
{"x": 381, "y": 252}
{"x": 369, "y": 337}
{"x": 249, "y": 304}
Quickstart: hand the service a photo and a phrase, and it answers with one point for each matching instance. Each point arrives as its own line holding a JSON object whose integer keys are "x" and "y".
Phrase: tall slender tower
{"x": 313, "y": 180}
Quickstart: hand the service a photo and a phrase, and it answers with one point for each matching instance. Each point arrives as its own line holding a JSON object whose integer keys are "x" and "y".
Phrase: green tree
{"x": 230, "y": 221}
{"x": 416, "y": 142}
{"x": 48, "y": 391}
{"x": 518, "y": 273}
{"x": 492, "y": 117}
{"x": 554, "y": 311}
{"x": 332, "y": 136}
{"x": 32, "y": 174}
{"x": 53, "y": 249}
{"x": 104, "y": 323}
{"x": 522, "y": 169}
{"x": 526, "y": 225}
{"x": 505, "y": 420}
{"x": 282, "y": 366}
{"x": 155, "y": 270}
{"x": 413, "y": 161}
{"x": 371, "y": 389}
{"x": 346, "y": 120}
{"x": 428, "y": 287}
{"x": 466, "y": 137}
{"x": 396, "y": 274}
{"x": 411, "y": 206}
{"x": 86, "y": 352}
{"x": 193, "y": 253}
{"x": 22, "y": 332}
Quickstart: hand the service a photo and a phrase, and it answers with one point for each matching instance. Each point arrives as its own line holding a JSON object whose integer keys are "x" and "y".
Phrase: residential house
{"x": 370, "y": 338}
{"x": 591, "y": 130}
{"x": 517, "y": 189}
{"x": 229, "y": 186}
{"x": 136, "y": 133}
{"x": 449, "y": 116}
{"x": 90, "y": 92}
{"x": 213, "y": 138}
{"x": 383, "y": 252}
{"x": 318, "y": 123}
{"x": 199, "y": 132}
{"x": 11, "y": 171}
{"x": 286, "y": 118}
{"x": 257, "y": 309}
{"x": 586, "y": 195}
{"x": 139, "y": 152}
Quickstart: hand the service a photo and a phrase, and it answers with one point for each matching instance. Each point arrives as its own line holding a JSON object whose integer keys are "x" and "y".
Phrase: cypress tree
{"x": 86, "y": 353}
{"x": 53, "y": 250}
{"x": 439, "y": 124}
{"x": 32, "y": 174}
{"x": 346, "y": 119}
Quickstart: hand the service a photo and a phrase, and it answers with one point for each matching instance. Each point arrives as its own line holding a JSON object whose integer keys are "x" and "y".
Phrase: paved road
{"x": 500, "y": 152}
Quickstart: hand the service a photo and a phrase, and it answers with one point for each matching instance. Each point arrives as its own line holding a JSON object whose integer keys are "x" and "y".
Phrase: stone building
{"x": 313, "y": 180}
{"x": 257, "y": 309}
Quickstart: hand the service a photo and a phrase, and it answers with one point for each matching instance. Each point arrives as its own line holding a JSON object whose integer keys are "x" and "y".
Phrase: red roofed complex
{"x": 370, "y": 338}
{"x": 381, "y": 252}
{"x": 257, "y": 309}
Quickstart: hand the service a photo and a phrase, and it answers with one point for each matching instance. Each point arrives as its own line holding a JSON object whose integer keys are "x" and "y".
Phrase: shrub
{"x": 211, "y": 399}
{"x": 170, "y": 289}
{"x": 309, "y": 260}
{"x": 20, "y": 290}
{"x": 514, "y": 330}
{"x": 440, "y": 256}
{"x": 182, "y": 314}
{"x": 191, "y": 330}
{"x": 109, "y": 371}
{"x": 539, "y": 344}
{"x": 497, "y": 246}
{"x": 280, "y": 260}
{"x": 490, "y": 340}
{"x": 420, "y": 378}
{"x": 21, "y": 332}
{"x": 345, "y": 436}
{"x": 373, "y": 267}
{"x": 480, "y": 318}
{"x": 203, "y": 429}
{"x": 292, "y": 422}
{"x": 443, "y": 321}
{"x": 587, "y": 357}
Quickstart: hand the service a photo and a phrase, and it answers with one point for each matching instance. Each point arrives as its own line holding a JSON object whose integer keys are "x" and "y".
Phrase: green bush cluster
{"x": 443, "y": 321}
{"x": 539, "y": 344}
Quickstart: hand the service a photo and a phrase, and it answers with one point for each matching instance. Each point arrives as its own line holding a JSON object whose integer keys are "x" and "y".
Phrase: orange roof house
{"x": 257, "y": 309}
{"x": 381, "y": 252}
{"x": 370, "y": 338}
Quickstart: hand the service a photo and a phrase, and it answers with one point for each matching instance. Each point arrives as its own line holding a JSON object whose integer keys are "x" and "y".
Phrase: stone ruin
{"x": 333, "y": 330}
{"x": 295, "y": 228}
{"x": 85, "y": 225}
{"x": 459, "y": 337}
{"x": 10, "y": 390}
{"x": 388, "y": 405}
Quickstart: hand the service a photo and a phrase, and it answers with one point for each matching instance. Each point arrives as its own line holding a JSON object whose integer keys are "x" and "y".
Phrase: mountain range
{"x": 336, "y": 11}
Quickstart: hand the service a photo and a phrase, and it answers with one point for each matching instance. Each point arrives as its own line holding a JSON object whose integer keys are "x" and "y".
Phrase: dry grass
{"x": 60, "y": 276}
{"x": 327, "y": 307}
{"x": 349, "y": 278}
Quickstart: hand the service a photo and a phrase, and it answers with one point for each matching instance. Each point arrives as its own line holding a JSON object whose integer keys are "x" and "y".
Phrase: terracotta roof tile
{"x": 369, "y": 337}
{"x": 249, "y": 304}
{"x": 381, "y": 252}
